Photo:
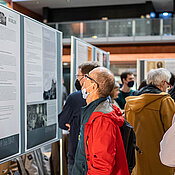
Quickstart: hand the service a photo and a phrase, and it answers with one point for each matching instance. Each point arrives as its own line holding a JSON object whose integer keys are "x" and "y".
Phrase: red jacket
{"x": 104, "y": 148}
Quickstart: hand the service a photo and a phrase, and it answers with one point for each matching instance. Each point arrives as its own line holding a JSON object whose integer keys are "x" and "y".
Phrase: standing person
{"x": 69, "y": 118}
{"x": 171, "y": 90}
{"x": 143, "y": 84}
{"x": 114, "y": 94}
{"x": 127, "y": 79}
{"x": 100, "y": 148}
{"x": 151, "y": 115}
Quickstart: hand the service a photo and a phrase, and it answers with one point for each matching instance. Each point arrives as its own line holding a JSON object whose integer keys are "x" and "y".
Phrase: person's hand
{"x": 68, "y": 125}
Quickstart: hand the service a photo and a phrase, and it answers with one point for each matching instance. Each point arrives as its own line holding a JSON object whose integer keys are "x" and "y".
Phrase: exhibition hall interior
{"x": 42, "y": 44}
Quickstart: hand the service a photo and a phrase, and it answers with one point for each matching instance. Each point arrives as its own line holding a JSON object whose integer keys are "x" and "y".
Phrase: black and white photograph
{"x": 2, "y": 19}
{"x": 51, "y": 93}
{"x": 36, "y": 116}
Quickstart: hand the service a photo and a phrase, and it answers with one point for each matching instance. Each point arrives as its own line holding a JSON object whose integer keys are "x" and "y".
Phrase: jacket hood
{"x": 118, "y": 116}
{"x": 106, "y": 109}
{"x": 137, "y": 103}
{"x": 149, "y": 89}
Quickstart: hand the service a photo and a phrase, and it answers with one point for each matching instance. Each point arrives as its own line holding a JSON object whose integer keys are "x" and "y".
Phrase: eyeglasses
{"x": 79, "y": 75}
{"x": 87, "y": 76}
{"x": 168, "y": 84}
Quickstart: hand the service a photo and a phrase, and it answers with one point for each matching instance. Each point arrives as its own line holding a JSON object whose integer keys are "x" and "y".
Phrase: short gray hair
{"x": 156, "y": 76}
{"x": 105, "y": 79}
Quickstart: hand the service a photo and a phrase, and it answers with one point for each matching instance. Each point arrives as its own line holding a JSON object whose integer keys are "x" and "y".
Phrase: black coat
{"x": 172, "y": 92}
{"x": 71, "y": 114}
{"x": 149, "y": 89}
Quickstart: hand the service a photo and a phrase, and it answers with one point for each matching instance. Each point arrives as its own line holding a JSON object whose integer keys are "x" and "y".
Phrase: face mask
{"x": 85, "y": 93}
{"x": 130, "y": 83}
{"x": 77, "y": 85}
{"x": 166, "y": 90}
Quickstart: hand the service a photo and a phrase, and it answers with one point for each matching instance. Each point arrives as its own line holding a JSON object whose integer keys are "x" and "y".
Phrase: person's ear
{"x": 124, "y": 80}
{"x": 95, "y": 86}
{"x": 162, "y": 83}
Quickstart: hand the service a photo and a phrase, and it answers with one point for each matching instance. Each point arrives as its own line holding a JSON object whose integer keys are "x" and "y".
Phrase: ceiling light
{"x": 95, "y": 37}
{"x": 165, "y": 14}
{"x": 104, "y": 18}
{"x": 152, "y": 14}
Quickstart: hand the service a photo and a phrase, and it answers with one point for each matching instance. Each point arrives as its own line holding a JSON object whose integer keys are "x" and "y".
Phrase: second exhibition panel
{"x": 81, "y": 52}
{"x": 41, "y": 65}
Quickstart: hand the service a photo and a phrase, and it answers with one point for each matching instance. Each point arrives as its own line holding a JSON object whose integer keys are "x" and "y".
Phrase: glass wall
{"x": 96, "y": 28}
{"x": 120, "y": 28}
{"x": 173, "y": 26}
{"x": 69, "y": 29}
{"x": 167, "y": 27}
{"x": 117, "y": 28}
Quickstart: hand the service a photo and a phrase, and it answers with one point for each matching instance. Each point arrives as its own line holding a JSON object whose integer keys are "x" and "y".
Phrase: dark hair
{"x": 124, "y": 75}
{"x": 143, "y": 84}
{"x": 88, "y": 66}
{"x": 172, "y": 79}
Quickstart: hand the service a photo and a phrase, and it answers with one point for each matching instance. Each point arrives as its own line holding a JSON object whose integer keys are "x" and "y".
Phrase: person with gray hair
{"x": 157, "y": 80}
{"x": 151, "y": 115}
{"x": 100, "y": 148}
{"x": 158, "y": 77}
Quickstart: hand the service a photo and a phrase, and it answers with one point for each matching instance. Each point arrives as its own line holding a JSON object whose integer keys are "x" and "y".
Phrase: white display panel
{"x": 84, "y": 52}
{"x": 10, "y": 136}
{"x": 40, "y": 60}
{"x": 170, "y": 65}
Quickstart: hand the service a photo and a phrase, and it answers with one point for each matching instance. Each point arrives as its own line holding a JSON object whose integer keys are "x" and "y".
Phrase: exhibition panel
{"x": 10, "y": 132}
{"x": 40, "y": 55}
{"x": 30, "y": 84}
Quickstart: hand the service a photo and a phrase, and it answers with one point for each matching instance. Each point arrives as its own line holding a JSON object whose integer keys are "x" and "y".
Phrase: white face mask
{"x": 85, "y": 93}
{"x": 167, "y": 90}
